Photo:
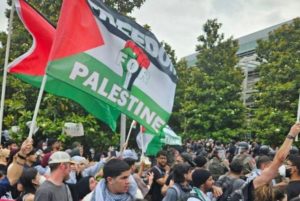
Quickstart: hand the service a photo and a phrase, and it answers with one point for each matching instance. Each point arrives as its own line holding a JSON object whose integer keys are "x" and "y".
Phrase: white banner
{"x": 73, "y": 129}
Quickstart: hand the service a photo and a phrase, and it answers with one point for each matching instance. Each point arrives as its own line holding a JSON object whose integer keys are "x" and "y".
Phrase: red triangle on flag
{"x": 77, "y": 30}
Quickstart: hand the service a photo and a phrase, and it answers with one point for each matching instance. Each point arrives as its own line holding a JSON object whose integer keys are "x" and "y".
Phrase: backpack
{"x": 226, "y": 183}
{"x": 242, "y": 194}
{"x": 182, "y": 196}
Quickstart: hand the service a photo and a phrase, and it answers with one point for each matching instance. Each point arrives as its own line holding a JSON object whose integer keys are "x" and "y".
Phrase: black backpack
{"x": 226, "y": 183}
{"x": 242, "y": 194}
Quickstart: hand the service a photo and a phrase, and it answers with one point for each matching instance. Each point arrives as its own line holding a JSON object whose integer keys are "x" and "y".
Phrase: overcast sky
{"x": 179, "y": 22}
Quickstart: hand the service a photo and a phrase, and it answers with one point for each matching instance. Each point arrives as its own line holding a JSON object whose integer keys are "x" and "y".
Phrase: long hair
{"x": 26, "y": 180}
{"x": 264, "y": 193}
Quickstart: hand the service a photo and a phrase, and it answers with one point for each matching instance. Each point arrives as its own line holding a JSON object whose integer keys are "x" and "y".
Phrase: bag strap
{"x": 176, "y": 188}
{"x": 158, "y": 169}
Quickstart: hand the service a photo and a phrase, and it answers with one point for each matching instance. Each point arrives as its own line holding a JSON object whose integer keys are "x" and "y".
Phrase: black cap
{"x": 200, "y": 161}
{"x": 188, "y": 158}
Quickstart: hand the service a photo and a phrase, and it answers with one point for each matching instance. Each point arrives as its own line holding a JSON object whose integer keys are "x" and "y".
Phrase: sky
{"x": 180, "y": 22}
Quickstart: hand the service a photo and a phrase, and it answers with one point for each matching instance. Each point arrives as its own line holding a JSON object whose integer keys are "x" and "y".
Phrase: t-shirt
{"x": 155, "y": 190}
{"x": 293, "y": 189}
{"x": 51, "y": 192}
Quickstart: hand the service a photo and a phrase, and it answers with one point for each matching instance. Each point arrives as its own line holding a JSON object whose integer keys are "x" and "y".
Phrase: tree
{"x": 54, "y": 111}
{"x": 276, "y": 101}
{"x": 212, "y": 104}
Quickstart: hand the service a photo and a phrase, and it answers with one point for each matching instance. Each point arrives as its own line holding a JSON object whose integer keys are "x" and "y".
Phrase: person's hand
{"x": 26, "y": 147}
{"x": 167, "y": 169}
{"x": 150, "y": 177}
{"x": 295, "y": 129}
{"x": 217, "y": 191}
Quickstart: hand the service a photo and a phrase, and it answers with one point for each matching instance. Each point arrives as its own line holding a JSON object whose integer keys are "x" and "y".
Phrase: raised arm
{"x": 270, "y": 173}
{"x": 15, "y": 169}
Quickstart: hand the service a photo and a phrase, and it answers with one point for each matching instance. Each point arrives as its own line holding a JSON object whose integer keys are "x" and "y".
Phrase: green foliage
{"x": 126, "y": 6}
{"x": 54, "y": 111}
{"x": 278, "y": 88}
{"x": 209, "y": 93}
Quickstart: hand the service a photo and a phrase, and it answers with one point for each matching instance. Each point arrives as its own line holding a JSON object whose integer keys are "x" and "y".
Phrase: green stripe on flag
{"x": 96, "y": 107}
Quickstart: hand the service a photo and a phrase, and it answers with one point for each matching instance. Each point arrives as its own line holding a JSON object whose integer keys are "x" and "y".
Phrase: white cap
{"x": 79, "y": 160}
{"x": 59, "y": 157}
{"x": 130, "y": 154}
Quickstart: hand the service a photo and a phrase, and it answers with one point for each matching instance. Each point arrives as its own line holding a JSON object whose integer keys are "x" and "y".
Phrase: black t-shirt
{"x": 293, "y": 189}
{"x": 156, "y": 188}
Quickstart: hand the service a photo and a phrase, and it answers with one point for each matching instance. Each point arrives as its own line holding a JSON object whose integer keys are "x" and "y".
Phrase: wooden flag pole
{"x": 5, "y": 65}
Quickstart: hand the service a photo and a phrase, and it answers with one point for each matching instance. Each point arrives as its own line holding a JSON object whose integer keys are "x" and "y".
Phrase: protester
{"x": 261, "y": 188}
{"x": 161, "y": 172}
{"x": 244, "y": 156}
{"x": 30, "y": 181}
{"x": 115, "y": 184}
{"x": 218, "y": 165}
{"x": 181, "y": 187}
{"x": 201, "y": 162}
{"x": 54, "y": 188}
{"x": 231, "y": 181}
{"x": 203, "y": 182}
{"x": 143, "y": 177}
{"x": 293, "y": 172}
{"x": 262, "y": 162}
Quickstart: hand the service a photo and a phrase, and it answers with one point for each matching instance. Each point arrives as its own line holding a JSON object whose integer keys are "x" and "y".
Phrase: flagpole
{"x": 5, "y": 65}
{"x": 37, "y": 106}
{"x": 298, "y": 115}
{"x": 128, "y": 136}
{"x": 142, "y": 142}
{"x": 122, "y": 131}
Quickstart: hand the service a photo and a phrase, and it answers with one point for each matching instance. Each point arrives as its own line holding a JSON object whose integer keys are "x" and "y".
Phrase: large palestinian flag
{"x": 31, "y": 66}
{"x": 101, "y": 54}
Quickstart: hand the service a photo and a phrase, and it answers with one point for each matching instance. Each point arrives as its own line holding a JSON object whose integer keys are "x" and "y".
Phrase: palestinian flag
{"x": 151, "y": 143}
{"x": 106, "y": 56}
{"x": 31, "y": 66}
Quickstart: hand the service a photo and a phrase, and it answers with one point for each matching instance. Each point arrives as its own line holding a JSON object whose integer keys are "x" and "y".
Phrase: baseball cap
{"x": 78, "y": 160}
{"x": 59, "y": 157}
{"x": 188, "y": 158}
{"x": 129, "y": 154}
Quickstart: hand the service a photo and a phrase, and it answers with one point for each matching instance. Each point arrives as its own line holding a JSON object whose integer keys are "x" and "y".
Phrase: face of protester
{"x": 178, "y": 159}
{"x": 32, "y": 158}
{"x": 208, "y": 184}
{"x": 36, "y": 180}
{"x": 162, "y": 160}
{"x": 57, "y": 146}
{"x": 13, "y": 146}
{"x": 290, "y": 168}
{"x": 119, "y": 184}
{"x": 188, "y": 176}
{"x": 66, "y": 169}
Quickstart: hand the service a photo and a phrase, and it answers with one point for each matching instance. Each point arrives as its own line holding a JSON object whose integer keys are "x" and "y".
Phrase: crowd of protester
{"x": 204, "y": 170}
